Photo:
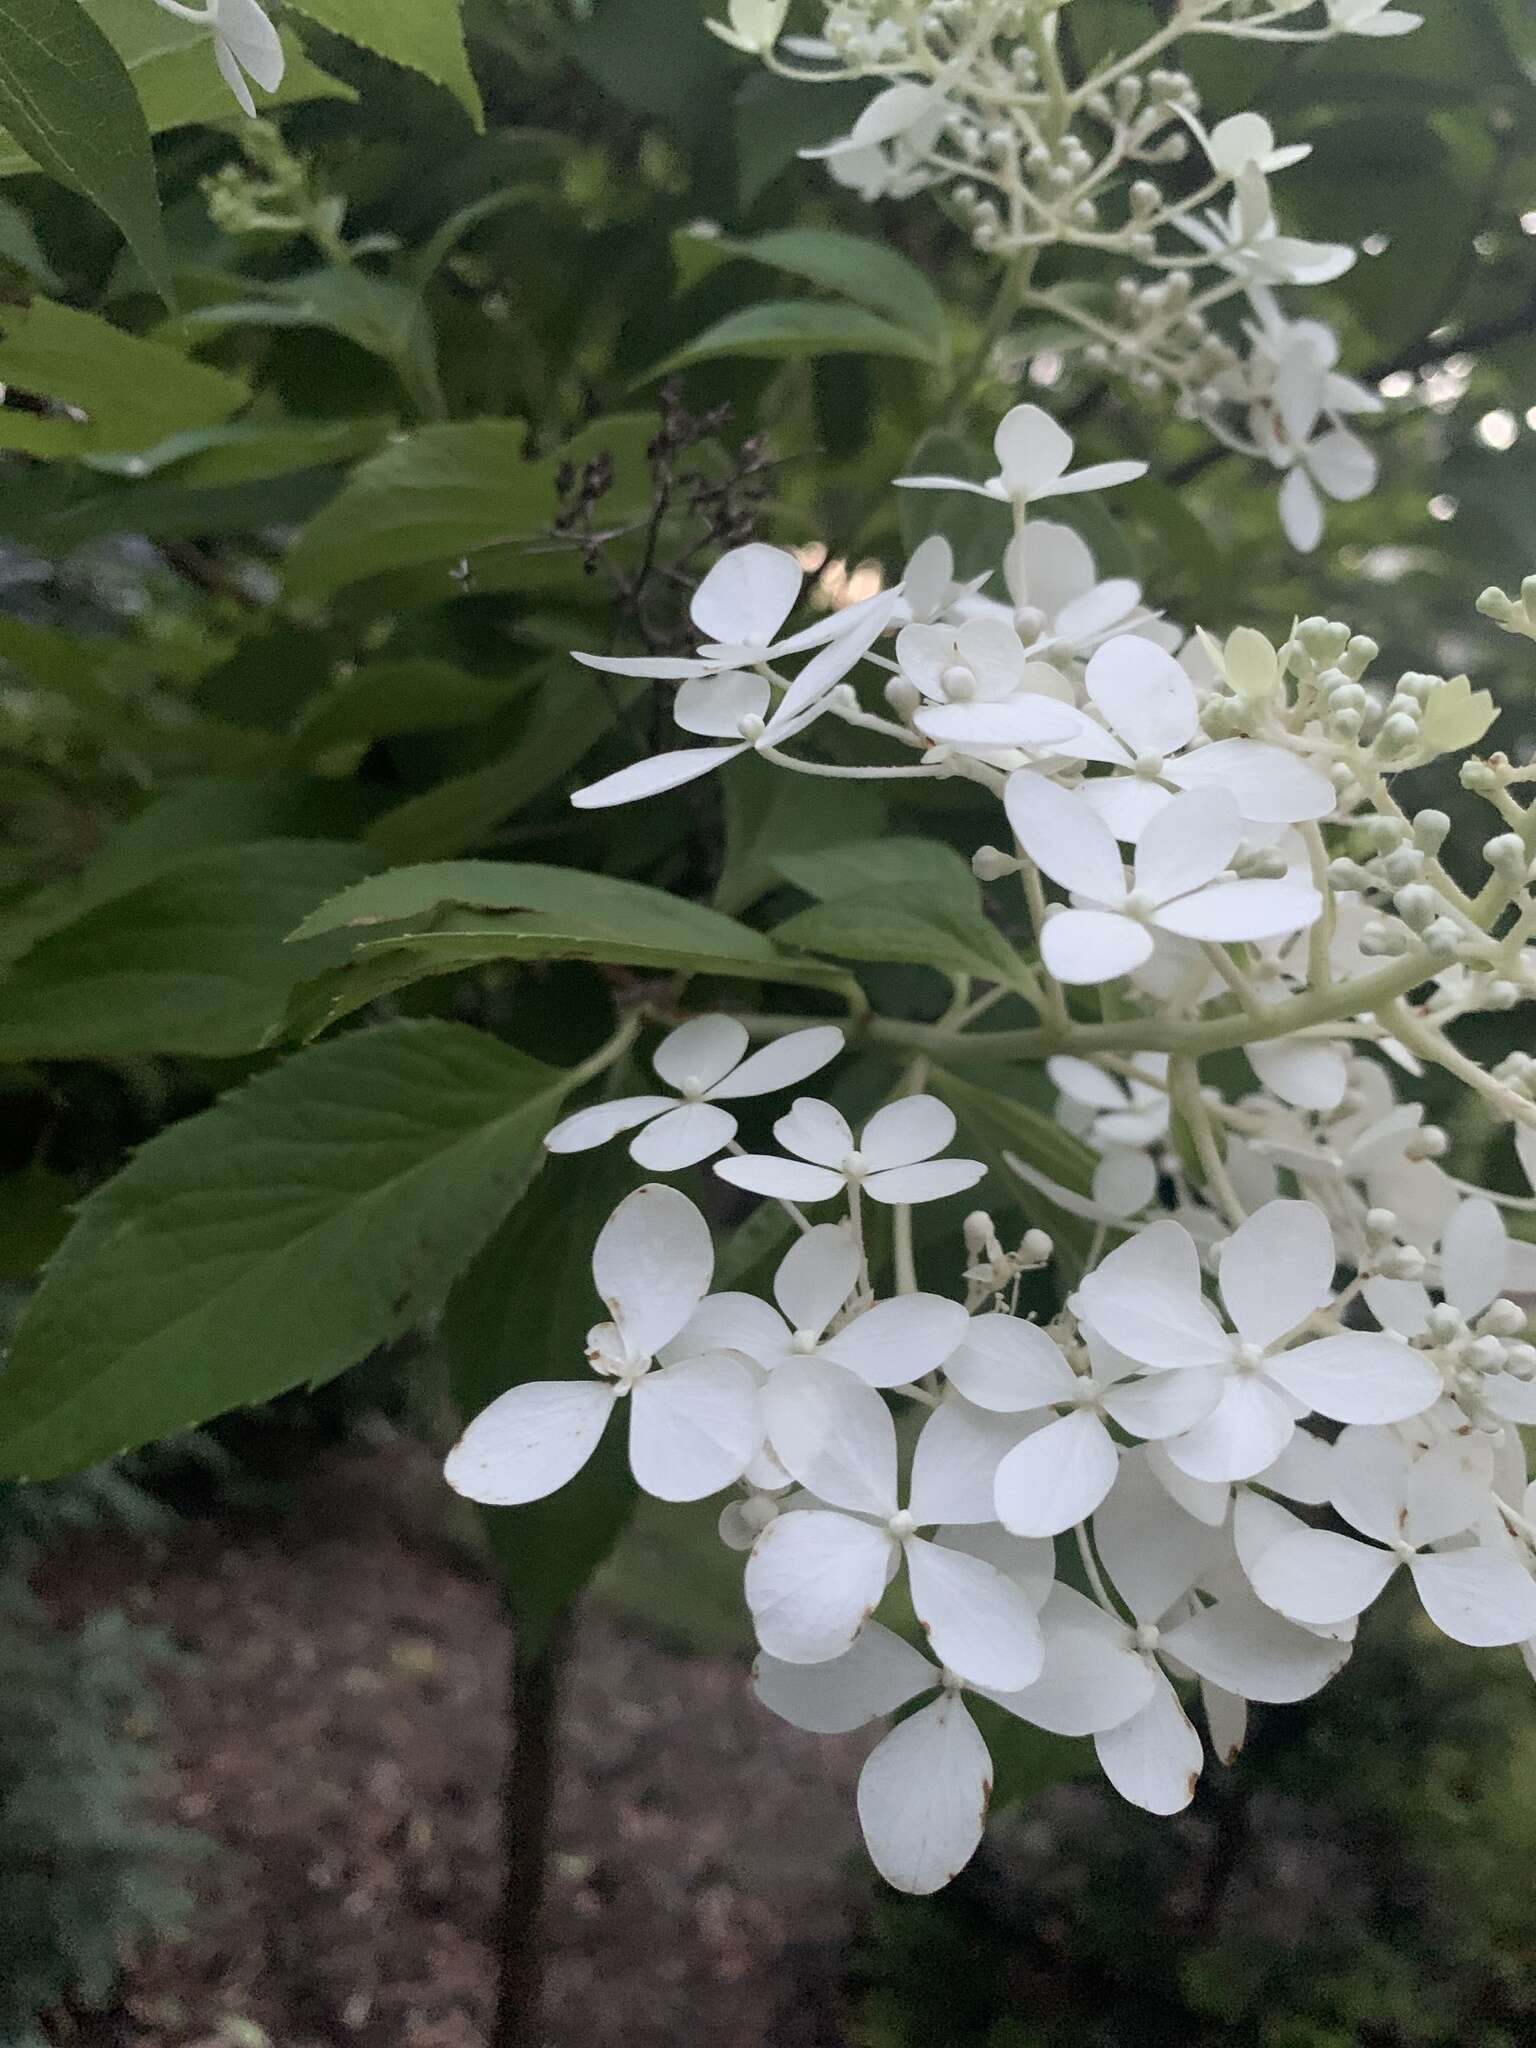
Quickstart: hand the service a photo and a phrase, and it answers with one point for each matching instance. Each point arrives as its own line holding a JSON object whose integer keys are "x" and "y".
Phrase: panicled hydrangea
{"x": 977, "y": 100}
{"x": 1281, "y": 1356}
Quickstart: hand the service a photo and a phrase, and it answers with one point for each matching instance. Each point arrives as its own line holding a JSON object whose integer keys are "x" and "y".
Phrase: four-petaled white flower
{"x": 1033, "y": 458}
{"x": 245, "y": 44}
{"x": 1405, "y": 1500}
{"x": 694, "y": 1424}
{"x": 817, "y": 1573}
{"x": 753, "y": 26}
{"x": 1370, "y": 18}
{"x": 1177, "y": 885}
{"x": 1247, "y": 240}
{"x": 704, "y": 1061}
{"x": 885, "y": 153}
{"x": 893, "y": 1161}
{"x": 1275, "y": 1273}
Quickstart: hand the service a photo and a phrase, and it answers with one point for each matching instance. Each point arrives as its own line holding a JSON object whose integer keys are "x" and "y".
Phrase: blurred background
{"x": 252, "y": 1713}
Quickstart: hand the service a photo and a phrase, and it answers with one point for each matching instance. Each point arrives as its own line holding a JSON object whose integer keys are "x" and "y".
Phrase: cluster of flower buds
{"x": 1147, "y": 1451}
{"x": 975, "y": 104}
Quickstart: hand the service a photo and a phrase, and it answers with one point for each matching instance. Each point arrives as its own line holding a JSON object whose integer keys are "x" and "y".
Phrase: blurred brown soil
{"x": 338, "y": 1734}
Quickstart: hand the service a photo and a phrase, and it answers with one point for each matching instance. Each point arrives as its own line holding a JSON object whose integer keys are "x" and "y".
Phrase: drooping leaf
{"x": 788, "y": 330}
{"x": 66, "y": 96}
{"x": 521, "y": 1312}
{"x": 908, "y": 923}
{"x": 191, "y": 962}
{"x": 870, "y": 273}
{"x": 850, "y": 867}
{"x": 310, "y": 1216}
{"x": 424, "y": 38}
{"x": 132, "y": 393}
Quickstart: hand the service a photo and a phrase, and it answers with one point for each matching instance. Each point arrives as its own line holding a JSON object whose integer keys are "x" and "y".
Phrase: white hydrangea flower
{"x": 816, "y": 1574}
{"x": 893, "y": 1161}
{"x": 1275, "y": 1273}
{"x": 704, "y": 1061}
{"x": 1371, "y": 18}
{"x": 245, "y": 44}
{"x": 1034, "y": 458}
{"x": 1178, "y": 885}
{"x": 1247, "y": 240}
{"x": 694, "y": 1425}
{"x": 884, "y": 155}
{"x": 1406, "y": 1501}
{"x": 753, "y": 26}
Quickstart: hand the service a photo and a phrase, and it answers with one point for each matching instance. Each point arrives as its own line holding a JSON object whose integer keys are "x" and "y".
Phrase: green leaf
{"x": 464, "y": 810}
{"x": 774, "y": 118}
{"x": 66, "y": 97}
{"x": 19, "y": 245}
{"x": 768, "y": 813}
{"x": 870, "y": 273}
{"x": 310, "y": 1216}
{"x": 978, "y": 529}
{"x": 247, "y": 451}
{"x": 448, "y": 491}
{"x": 997, "y": 1123}
{"x": 193, "y": 962}
{"x": 857, "y": 865}
{"x": 421, "y": 921}
{"x": 783, "y": 330}
{"x": 34, "y": 1217}
{"x": 389, "y": 697}
{"x": 425, "y": 38}
{"x": 908, "y": 923}
{"x": 132, "y": 392}
{"x": 522, "y": 1312}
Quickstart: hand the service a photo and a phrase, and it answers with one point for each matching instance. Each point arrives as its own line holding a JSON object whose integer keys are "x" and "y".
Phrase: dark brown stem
{"x": 526, "y": 1806}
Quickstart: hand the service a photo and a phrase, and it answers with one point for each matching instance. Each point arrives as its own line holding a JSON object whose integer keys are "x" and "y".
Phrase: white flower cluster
{"x": 977, "y": 106}
{"x": 1289, "y": 1354}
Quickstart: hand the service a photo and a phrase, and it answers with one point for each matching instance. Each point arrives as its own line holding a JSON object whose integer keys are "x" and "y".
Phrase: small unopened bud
{"x": 1429, "y": 1143}
{"x": 979, "y": 1232}
{"x": 1431, "y": 829}
{"x": 991, "y": 864}
{"x": 1505, "y": 1318}
{"x": 1507, "y": 857}
{"x": 1417, "y": 905}
{"x": 1036, "y": 1249}
{"x": 1497, "y": 605}
{"x": 903, "y": 696}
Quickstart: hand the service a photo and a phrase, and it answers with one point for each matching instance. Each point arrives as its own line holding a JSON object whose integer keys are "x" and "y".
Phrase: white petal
{"x": 652, "y": 1264}
{"x": 701, "y": 1052}
{"x": 1247, "y": 1429}
{"x": 1244, "y": 1648}
{"x": 1164, "y": 1403}
{"x": 714, "y": 706}
{"x": 1317, "y": 1577}
{"x": 1085, "y": 947}
{"x": 1448, "y": 1489}
{"x": 1009, "y": 1365}
{"x": 1032, "y": 451}
{"x": 530, "y": 1440}
{"x": 252, "y": 39}
{"x": 693, "y": 1427}
{"x": 1368, "y": 1481}
{"x": 1153, "y": 1759}
{"x": 1091, "y": 1681}
{"x": 1064, "y": 838}
{"x": 1474, "y": 1256}
{"x": 956, "y": 1461}
{"x": 660, "y": 668}
{"x": 1477, "y": 1596}
{"x": 1276, "y": 1269}
{"x": 650, "y": 777}
{"x": 979, "y": 1624}
{"x": 1358, "y": 1376}
{"x": 1081, "y": 1081}
{"x": 604, "y": 1120}
{"x": 852, "y": 642}
{"x": 230, "y": 72}
{"x": 730, "y": 1322}
{"x": 760, "y": 1173}
{"x": 813, "y": 1580}
{"x": 899, "y": 1340}
{"x": 816, "y": 1276}
{"x": 1145, "y": 695}
{"x": 929, "y": 1181}
{"x": 1187, "y": 844}
{"x": 1226, "y": 1722}
{"x": 1057, "y": 1476}
{"x": 747, "y": 595}
{"x": 903, "y": 1132}
{"x": 1228, "y": 911}
{"x": 923, "y": 1797}
{"x": 1153, "y": 1551}
{"x": 689, "y": 1132}
{"x": 1029, "y": 1563}
{"x": 1048, "y": 565}
{"x": 1400, "y": 1305}
{"x": 833, "y": 1434}
{"x": 1305, "y": 1072}
{"x": 878, "y": 1675}
{"x": 1303, "y": 1471}
{"x": 1098, "y": 476}
{"x": 1269, "y": 785}
{"x": 1028, "y": 720}
{"x": 1342, "y": 464}
{"x": 1124, "y": 1182}
{"x": 781, "y": 1063}
{"x": 814, "y": 1130}
{"x": 1126, "y": 803}
{"x": 1301, "y": 511}
{"x": 1145, "y": 1299}
{"x": 1206, "y": 1500}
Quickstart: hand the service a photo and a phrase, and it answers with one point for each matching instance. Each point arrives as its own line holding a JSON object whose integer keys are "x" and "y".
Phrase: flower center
{"x": 1148, "y": 1636}
{"x": 959, "y": 682}
{"x": 1140, "y": 905}
{"x": 901, "y": 1525}
{"x": 854, "y": 1167}
{"x": 1248, "y": 1357}
{"x": 752, "y": 727}
{"x": 805, "y": 1341}
{"x": 1148, "y": 766}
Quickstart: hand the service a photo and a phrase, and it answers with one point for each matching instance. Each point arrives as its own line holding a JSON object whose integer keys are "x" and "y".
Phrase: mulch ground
{"x": 338, "y": 1733}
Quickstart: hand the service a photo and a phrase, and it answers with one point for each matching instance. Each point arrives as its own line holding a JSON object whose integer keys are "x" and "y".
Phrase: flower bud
{"x": 991, "y": 864}
{"x": 1431, "y": 829}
